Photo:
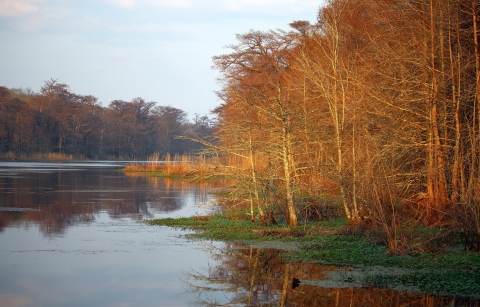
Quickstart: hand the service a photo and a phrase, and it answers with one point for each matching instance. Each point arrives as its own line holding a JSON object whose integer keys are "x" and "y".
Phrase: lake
{"x": 71, "y": 234}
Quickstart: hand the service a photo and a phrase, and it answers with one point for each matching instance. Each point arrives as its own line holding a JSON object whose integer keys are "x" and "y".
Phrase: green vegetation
{"x": 441, "y": 270}
{"x": 442, "y": 282}
{"x": 215, "y": 227}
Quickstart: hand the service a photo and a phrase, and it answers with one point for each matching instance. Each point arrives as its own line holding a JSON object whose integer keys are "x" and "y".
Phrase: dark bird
{"x": 295, "y": 282}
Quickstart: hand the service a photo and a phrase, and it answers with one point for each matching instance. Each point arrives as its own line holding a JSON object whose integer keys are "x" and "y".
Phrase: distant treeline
{"x": 56, "y": 120}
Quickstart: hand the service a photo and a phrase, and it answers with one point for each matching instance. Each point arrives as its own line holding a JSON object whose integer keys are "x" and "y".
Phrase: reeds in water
{"x": 178, "y": 165}
{"x": 46, "y": 156}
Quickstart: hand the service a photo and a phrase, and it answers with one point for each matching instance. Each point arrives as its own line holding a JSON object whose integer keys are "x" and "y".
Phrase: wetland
{"x": 76, "y": 234}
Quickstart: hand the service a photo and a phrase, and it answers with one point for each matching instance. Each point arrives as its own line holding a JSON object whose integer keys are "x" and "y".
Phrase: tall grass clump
{"x": 178, "y": 165}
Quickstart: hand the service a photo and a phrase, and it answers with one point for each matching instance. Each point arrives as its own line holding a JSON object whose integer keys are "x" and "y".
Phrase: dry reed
{"x": 47, "y": 156}
{"x": 178, "y": 165}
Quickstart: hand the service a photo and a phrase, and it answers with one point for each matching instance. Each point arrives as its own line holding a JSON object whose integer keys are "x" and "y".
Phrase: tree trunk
{"x": 292, "y": 216}
{"x": 254, "y": 181}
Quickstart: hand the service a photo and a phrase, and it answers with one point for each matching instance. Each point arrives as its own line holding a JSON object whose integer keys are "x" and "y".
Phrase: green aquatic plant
{"x": 327, "y": 242}
{"x": 444, "y": 282}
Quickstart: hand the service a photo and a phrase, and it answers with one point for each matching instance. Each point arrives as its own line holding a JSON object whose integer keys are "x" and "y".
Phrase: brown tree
{"x": 257, "y": 71}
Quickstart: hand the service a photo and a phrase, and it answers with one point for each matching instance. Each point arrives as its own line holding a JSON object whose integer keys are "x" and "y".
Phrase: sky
{"x": 159, "y": 50}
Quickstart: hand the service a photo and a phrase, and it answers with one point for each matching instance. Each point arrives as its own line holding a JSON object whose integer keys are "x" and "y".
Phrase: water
{"x": 71, "y": 234}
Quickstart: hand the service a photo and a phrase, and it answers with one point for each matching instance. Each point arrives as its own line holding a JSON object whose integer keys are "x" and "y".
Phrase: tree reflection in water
{"x": 54, "y": 200}
{"x": 258, "y": 277}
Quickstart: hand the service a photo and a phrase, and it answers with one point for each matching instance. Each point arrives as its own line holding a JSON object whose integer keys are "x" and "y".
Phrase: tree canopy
{"x": 377, "y": 103}
{"x": 56, "y": 120}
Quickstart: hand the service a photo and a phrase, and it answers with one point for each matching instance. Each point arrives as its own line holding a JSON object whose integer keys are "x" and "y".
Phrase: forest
{"x": 59, "y": 123}
{"x": 376, "y": 104}
{"x": 374, "y": 107}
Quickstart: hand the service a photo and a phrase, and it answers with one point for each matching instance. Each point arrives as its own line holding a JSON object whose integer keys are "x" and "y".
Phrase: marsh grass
{"x": 177, "y": 166}
{"x": 451, "y": 272}
{"x": 331, "y": 241}
{"x": 47, "y": 156}
{"x": 324, "y": 241}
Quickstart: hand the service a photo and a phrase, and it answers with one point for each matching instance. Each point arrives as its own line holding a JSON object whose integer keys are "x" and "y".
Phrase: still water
{"x": 71, "y": 234}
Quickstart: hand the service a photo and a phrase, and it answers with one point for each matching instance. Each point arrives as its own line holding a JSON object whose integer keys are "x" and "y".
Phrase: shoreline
{"x": 449, "y": 273}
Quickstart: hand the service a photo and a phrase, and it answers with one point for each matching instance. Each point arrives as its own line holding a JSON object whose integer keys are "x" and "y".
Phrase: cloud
{"x": 128, "y": 4}
{"x": 284, "y": 6}
{"x": 174, "y": 29}
{"x": 39, "y": 22}
{"x": 272, "y": 6}
{"x": 11, "y": 300}
{"x": 16, "y": 7}
{"x": 169, "y": 3}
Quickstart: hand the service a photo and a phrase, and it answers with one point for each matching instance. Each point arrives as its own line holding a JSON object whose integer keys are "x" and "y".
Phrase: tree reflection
{"x": 55, "y": 200}
{"x": 258, "y": 277}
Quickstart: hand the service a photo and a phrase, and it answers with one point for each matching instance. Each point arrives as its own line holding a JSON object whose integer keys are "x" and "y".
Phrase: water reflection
{"x": 108, "y": 260}
{"x": 258, "y": 277}
{"x": 55, "y": 198}
{"x": 90, "y": 250}
{"x": 197, "y": 191}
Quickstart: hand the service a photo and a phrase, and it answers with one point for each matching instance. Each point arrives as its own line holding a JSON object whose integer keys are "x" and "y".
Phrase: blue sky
{"x": 160, "y": 50}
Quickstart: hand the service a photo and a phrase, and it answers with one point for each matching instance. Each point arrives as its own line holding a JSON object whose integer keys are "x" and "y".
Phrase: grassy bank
{"x": 442, "y": 270}
{"x": 51, "y": 156}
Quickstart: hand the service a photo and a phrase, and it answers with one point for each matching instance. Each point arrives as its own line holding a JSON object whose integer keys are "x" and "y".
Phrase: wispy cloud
{"x": 86, "y": 42}
{"x": 128, "y": 4}
{"x": 16, "y": 7}
{"x": 169, "y": 3}
{"x": 38, "y": 22}
{"x": 271, "y": 6}
{"x": 14, "y": 300}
